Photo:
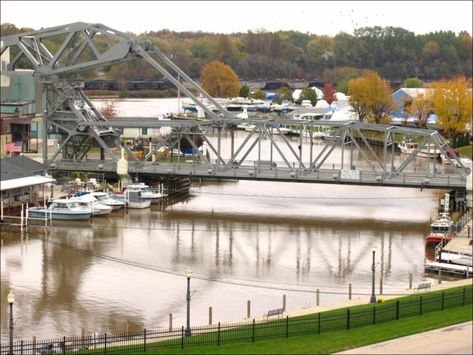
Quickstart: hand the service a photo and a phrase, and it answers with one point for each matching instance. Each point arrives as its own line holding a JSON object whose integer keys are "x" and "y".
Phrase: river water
{"x": 244, "y": 240}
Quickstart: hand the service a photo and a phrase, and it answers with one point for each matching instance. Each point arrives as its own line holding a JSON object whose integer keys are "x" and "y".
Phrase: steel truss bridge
{"x": 69, "y": 113}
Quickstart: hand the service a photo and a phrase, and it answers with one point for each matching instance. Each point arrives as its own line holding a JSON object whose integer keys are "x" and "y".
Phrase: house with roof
{"x": 22, "y": 181}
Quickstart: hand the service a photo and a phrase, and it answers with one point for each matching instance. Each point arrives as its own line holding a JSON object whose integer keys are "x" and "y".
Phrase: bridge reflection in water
{"x": 244, "y": 240}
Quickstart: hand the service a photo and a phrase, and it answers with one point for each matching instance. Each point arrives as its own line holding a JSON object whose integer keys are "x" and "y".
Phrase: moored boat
{"x": 146, "y": 192}
{"x": 114, "y": 202}
{"x": 430, "y": 151}
{"x": 61, "y": 209}
{"x": 134, "y": 199}
{"x": 441, "y": 228}
{"x": 408, "y": 146}
{"x": 88, "y": 200}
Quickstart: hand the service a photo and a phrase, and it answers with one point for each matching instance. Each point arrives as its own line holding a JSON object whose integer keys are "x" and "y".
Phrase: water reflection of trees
{"x": 62, "y": 277}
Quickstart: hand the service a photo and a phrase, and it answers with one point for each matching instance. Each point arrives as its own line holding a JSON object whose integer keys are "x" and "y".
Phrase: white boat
{"x": 134, "y": 199}
{"x": 441, "y": 228}
{"x": 408, "y": 147}
{"x": 61, "y": 209}
{"x": 109, "y": 200}
{"x": 146, "y": 192}
{"x": 430, "y": 151}
{"x": 87, "y": 200}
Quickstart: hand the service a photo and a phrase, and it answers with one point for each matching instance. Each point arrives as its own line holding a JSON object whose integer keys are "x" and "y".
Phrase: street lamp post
{"x": 11, "y": 300}
{"x": 188, "y": 298}
{"x": 373, "y": 268}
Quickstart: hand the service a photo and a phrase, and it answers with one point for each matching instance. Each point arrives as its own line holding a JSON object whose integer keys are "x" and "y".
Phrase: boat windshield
{"x": 64, "y": 205}
{"x": 440, "y": 229}
{"x": 101, "y": 197}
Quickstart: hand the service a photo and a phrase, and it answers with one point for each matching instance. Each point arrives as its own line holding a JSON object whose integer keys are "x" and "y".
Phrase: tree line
{"x": 393, "y": 52}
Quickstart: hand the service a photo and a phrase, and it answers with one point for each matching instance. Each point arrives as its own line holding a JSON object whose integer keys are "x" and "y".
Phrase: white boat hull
{"x": 40, "y": 212}
{"x": 139, "y": 204}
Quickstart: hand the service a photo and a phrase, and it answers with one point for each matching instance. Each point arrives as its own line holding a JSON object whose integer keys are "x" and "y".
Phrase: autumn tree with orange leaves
{"x": 370, "y": 97}
{"x": 219, "y": 80}
{"x": 452, "y": 103}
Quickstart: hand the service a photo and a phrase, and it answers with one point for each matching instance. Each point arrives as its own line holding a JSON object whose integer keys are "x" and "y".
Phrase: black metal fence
{"x": 245, "y": 332}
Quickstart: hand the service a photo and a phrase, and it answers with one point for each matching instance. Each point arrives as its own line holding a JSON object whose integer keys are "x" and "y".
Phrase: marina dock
{"x": 456, "y": 257}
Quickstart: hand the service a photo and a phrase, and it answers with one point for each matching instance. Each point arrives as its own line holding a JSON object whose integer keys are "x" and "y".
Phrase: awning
{"x": 25, "y": 181}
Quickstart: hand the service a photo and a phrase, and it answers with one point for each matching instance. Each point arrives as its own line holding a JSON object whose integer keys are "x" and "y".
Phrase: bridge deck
{"x": 270, "y": 173}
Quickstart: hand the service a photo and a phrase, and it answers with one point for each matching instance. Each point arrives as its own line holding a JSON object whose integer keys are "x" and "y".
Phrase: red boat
{"x": 440, "y": 230}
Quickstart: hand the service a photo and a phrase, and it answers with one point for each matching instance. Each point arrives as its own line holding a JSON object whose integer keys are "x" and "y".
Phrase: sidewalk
{"x": 454, "y": 339}
{"x": 366, "y": 299}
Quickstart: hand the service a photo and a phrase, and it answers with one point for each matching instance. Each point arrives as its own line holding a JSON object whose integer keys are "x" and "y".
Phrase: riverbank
{"x": 337, "y": 329}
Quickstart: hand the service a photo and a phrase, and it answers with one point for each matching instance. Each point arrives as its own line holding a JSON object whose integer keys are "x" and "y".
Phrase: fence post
{"x": 144, "y": 340}
{"x": 105, "y": 346}
{"x": 420, "y": 305}
{"x": 348, "y": 318}
{"x": 318, "y": 324}
{"x": 21, "y": 347}
{"x": 317, "y": 297}
{"x": 170, "y": 322}
{"x": 253, "y": 332}
{"x": 182, "y": 337}
{"x": 218, "y": 335}
{"x": 34, "y": 345}
{"x": 410, "y": 281}
{"x": 397, "y": 310}
{"x": 82, "y": 337}
{"x": 464, "y": 294}
{"x": 64, "y": 345}
{"x": 210, "y": 315}
{"x": 374, "y": 314}
{"x": 287, "y": 326}
{"x": 284, "y": 303}
{"x": 443, "y": 300}
{"x": 248, "y": 309}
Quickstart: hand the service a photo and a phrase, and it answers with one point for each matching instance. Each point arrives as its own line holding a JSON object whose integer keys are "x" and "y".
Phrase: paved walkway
{"x": 359, "y": 300}
{"x": 455, "y": 339}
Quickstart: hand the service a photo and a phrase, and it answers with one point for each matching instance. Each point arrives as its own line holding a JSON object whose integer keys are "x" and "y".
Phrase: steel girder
{"x": 295, "y": 155}
{"x": 85, "y": 46}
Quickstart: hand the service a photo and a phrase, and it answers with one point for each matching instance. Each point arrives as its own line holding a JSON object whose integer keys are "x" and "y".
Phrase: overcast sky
{"x": 317, "y": 17}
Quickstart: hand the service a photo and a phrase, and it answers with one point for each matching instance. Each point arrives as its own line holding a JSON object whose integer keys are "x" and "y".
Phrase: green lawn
{"x": 335, "y": 341}
{"x": 466, "y": 151}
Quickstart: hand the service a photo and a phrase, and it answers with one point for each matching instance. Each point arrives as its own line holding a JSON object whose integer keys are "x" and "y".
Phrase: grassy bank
{"x": 337, "y": 340}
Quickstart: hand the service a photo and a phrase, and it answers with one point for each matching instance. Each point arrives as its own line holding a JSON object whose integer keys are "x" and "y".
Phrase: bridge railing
{"x": 252, "y": 170}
